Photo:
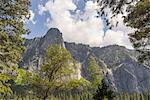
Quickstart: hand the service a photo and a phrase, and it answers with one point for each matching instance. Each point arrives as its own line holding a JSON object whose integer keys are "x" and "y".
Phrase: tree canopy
{"x": 57, "y": 68}
{"x": 138, "y": 18}
{"x": 12, "y": 16}
{"x": 95, "y": 72}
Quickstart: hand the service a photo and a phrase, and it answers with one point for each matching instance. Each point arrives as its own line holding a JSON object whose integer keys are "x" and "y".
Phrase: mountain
{"x": 120, "y": 68}
{"x": 36, "y": 47}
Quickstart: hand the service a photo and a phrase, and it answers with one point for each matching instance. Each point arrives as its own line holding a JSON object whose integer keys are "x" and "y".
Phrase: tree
{"x": 95, "y": 73}
{"x": 103, "y": 92}
{"x": 137, "y": 18}
{"x": 116, "y": 6}
{"x": 57, "y": 68}
{"x": 12, "y": 13}
{"x": 20, "y": 86}
{"x": 76, "y": 86}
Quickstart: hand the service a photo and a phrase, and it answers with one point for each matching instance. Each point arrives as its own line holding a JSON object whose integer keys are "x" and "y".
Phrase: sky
{"x": 78, "y": 21}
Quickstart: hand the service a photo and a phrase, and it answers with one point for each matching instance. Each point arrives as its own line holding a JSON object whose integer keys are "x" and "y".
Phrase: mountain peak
{"x": 53, "y": 36}
{"x": 53, "y": 32}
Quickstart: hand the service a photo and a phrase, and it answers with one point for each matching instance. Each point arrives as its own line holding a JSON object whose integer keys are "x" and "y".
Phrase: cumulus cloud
{"x": 118, "y": 34}
{"x": 82, "y": 27}
{"x": 116, "y": 37}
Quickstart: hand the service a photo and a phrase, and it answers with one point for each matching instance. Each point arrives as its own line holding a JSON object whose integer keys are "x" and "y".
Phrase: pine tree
{"x": 142, "y": 97}
{"x": 12, "y": 13}
{"x": 103, "y": 92}
{"x": 138, "y": 96}
{"x": 95, "y": 72}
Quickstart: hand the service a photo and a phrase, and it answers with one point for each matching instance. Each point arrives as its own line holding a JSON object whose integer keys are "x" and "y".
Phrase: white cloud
{"x": 32, "y": 15}
{"x": 82, "y": 27}
{"x": 116, "y": 37}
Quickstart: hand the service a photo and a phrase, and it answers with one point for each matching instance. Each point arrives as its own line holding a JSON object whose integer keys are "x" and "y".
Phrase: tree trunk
{"x": 46, "y": 95}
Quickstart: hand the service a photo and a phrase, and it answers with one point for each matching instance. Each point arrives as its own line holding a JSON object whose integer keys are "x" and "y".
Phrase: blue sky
{"x": 39, "y": 28}
{"x": 77, "y": 20}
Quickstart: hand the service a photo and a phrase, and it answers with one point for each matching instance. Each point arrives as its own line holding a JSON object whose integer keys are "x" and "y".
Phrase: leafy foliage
{"x": 138, "y": 18}
{"x": 21, "y": 77}
{"x": 116, "y": 6}
{"x": 56, "y": 69}
{"x": 12, "y": 13}
{"x": 95, "y": 72}
{"x": 20, "y": 85}
{"x": 4, "y": 85}
{"x": 77, "y": 85}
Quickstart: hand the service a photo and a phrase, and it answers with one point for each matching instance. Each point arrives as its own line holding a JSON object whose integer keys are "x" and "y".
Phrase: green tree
{"x": 57, "y": 67}
{"x": 20, "y": 86}
{"x": 103, "y": 92}
{"x": 12, "y": 13}
{"x": 95, "y": 72}
{"x": 138, "y": 18}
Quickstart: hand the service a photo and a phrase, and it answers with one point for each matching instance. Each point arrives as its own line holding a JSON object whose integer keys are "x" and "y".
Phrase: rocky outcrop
{"x": 36, "y": 47}
{"x": 121, "y": 70}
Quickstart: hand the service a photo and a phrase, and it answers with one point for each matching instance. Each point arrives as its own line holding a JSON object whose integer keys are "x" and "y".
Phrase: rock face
{"x": 125, "y": 72}
{"x": 36, "y": 47}
{"x": 122, "y": 72}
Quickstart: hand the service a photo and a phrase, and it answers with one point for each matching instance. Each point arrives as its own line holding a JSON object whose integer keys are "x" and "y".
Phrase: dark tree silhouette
{"x": 103, "y": 92}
